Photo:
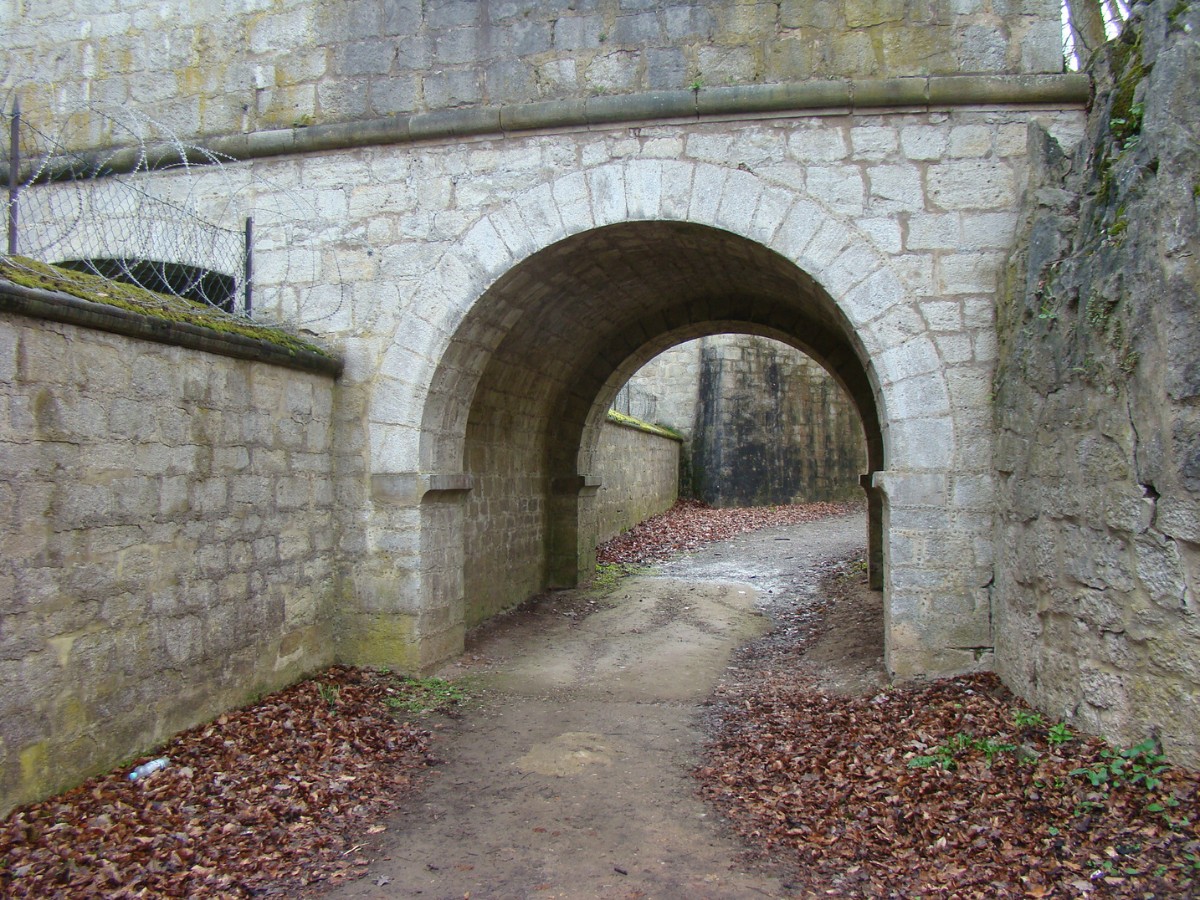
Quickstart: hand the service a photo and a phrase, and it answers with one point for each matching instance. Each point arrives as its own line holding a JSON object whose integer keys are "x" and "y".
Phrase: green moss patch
{"x": 631, "y": 422}
{"x": 33, "y": 274}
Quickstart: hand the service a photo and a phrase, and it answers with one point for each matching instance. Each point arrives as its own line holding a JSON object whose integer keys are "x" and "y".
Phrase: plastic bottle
{"x": 148, "y": 768}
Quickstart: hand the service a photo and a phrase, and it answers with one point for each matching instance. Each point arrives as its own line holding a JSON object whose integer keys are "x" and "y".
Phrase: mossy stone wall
{"x": 1098, "y": 405}
{"x": 167, "y": 543}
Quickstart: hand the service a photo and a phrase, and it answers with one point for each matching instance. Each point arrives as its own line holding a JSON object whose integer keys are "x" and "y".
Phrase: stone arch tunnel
{"x": 543, "y": 308}
{"x": 534, "y": 367}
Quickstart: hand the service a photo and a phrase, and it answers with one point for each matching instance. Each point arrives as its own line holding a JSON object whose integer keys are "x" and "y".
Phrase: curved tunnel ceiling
{"x": 568, "y": 325}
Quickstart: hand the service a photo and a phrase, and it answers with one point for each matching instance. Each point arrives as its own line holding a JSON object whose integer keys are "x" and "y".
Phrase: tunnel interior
{"x": 519, "y": 397}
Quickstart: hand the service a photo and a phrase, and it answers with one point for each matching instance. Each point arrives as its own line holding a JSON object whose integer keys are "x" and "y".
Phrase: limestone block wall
{"x": 505, "y": 514}
{"x": 166, "y": 543}
{"x": 215, "y": 67}
{"x": 1098, "y": 448}
{"x": 772, "y": 428}
{"x": 765, "y": 424}
{"x": 639, "y": 477}
{"x": 664, "y": 390}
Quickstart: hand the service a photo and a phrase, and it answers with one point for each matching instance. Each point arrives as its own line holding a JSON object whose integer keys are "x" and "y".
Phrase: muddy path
{"x": 568, "y": 775}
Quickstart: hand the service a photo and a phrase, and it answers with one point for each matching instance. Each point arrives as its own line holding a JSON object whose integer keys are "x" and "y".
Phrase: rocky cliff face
{"x": 1097, "y": 391}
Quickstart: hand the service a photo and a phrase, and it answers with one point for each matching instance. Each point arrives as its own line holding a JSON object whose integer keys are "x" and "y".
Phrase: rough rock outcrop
{"x": 1098, "y": 404}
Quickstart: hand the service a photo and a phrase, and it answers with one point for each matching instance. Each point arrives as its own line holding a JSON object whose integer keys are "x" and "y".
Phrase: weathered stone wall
{"x": 471, "y": 281}
{"x": 664, "y": 390}
{"x": 1098, "y": 406}
{"x": 772, "y": 427}
{"x": 494, "y": 272}
{"x": 167, "y": 535}
{"x": 765, "y": 424}
{"x": 214, "y": 67}
{"x": 638, "y": 470}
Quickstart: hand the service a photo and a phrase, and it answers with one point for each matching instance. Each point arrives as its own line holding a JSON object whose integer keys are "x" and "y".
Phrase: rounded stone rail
{"x": 789, "y": 98}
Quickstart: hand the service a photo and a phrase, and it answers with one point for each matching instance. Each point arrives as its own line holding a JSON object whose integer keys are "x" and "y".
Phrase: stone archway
{"x": 545, "y": 307}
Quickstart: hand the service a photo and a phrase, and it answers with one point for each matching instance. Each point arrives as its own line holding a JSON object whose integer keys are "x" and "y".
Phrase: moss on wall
{"x": 95, "y": 289}
{"x": 1098, "y": 443}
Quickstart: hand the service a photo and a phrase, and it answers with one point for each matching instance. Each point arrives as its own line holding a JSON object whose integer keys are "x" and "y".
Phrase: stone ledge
{"x": 791, "y": 98}
{"x": 409, "y": 488}
{"x": 59, "y": 307}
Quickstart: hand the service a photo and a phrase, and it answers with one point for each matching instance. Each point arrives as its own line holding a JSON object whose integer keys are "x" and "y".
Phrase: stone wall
{"x": 665, "y": 390}
{"x": 166, "y": 543}
{"x": 765, "y": 424}
{"x": 484, "y": 286}
{"x": 638, "y": 469}
{"x": 214, "y": 67}
{"x": 1098, "y": 406}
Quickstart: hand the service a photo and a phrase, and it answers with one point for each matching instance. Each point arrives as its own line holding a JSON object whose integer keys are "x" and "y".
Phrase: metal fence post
{"x": 249, "y": 274}
{"x": 14, "y": 165}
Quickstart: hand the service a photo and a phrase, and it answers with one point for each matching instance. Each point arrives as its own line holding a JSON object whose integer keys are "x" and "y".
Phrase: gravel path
{"x": 571, "y": 776}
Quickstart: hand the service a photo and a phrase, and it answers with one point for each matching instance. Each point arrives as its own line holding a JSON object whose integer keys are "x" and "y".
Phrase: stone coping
{"x": 59, "y": 307}
{"x": 620, "y": 418}
{"x": 792, "y": 98}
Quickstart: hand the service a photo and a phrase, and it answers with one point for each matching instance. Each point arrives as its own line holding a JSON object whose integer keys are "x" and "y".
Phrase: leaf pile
{"x": 690, "y": 524}
{"x": 936, "y": 791}
{"x": 261, "y": 798}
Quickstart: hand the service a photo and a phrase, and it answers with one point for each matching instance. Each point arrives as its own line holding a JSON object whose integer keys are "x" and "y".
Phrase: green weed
{"x": 1139, "y": 766}
{"x": 1026, "y": 718}
{"x": 1059, "y": 734}
{"x": 424, "y": 695}
{"x": 945, "y": 756}
{"x": 607, "y": 575}
{"x": 330, "y": 693}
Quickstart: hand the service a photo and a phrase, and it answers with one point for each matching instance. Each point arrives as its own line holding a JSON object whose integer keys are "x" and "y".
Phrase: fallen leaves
{"x": 830, "y": 784}
{"x": 690, "y": 524}
{"x": 264, "y": 796}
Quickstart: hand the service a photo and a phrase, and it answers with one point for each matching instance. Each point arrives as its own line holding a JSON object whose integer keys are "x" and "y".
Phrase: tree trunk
{"x": 1087, "y": 27}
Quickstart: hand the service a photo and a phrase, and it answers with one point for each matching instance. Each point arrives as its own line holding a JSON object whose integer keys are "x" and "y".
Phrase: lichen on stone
{"x": 31, "y": 273}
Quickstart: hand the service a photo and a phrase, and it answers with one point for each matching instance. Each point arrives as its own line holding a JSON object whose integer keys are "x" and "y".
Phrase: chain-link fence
{"x": 161, "y": 214}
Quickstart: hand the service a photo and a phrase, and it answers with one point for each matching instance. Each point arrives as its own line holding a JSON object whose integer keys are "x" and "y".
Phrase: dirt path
{"x": 570, "y": 776}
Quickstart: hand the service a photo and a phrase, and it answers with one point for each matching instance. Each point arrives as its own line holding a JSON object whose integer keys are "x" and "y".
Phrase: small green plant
{"x": 423, "y": 695}
{"x": 697, "y": 84}
{"x": 941, "y": 757}
{"x": 330, "y": 693}
{"x": 944, "y": 756}
{"x": 1059, "y": 734}
{"x": 1026, "y": 718}
{"x": 1167, "y": 803}
{"x": 1116, "y": 231}
{"x": 1099, "y": 310}
{"x": 1139, "y": 765}
{"x": 607, "y": 575}
{"x": 1129, "y": 362}
{"x": 1128, "y": 127}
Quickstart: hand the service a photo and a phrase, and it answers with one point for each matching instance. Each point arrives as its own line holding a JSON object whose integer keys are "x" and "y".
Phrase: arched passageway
{"x": 519, "y": 396}
{"x": 530, "y": 320}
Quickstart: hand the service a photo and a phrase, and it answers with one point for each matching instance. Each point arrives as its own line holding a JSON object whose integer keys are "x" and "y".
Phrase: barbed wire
{"x": 163, "y": 214}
